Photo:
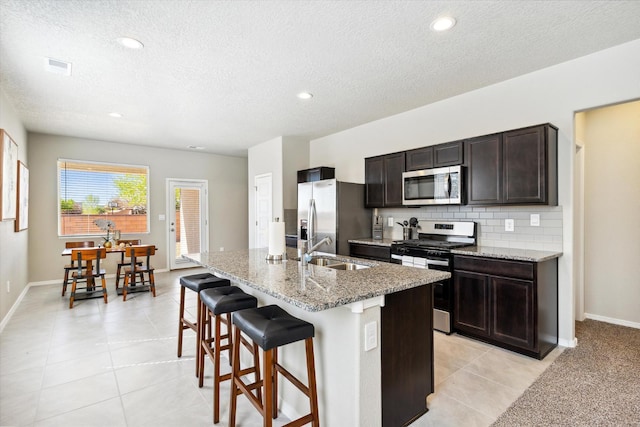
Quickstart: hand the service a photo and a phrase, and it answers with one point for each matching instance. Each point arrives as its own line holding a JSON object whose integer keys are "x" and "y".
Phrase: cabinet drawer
{"x": 379, "y": 253}
{"x": 515, "y": 269}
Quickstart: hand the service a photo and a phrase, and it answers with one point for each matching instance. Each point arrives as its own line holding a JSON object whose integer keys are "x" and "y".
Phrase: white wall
{"x": 227, "y": 178}
{"x": 282, "y": 157}
{"x": 14, "y": 254}
{"x": 612, "y": 209}
{"x": 549, "y": 95}
{"x": 262, "y": 159}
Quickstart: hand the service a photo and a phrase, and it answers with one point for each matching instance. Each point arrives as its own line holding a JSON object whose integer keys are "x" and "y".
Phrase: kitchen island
{"x": 379, "y": 379}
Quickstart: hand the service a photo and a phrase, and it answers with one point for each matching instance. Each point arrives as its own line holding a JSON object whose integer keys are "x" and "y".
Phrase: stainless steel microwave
{"x": 440, "y": 186}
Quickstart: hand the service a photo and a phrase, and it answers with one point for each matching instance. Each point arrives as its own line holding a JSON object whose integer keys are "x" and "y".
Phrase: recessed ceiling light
{"x": 130, "y": 43}
{"x": 443, "y": 23}
{"x": 305, "y": 95}
{"x": 195, "y": 147}
{"x": 116, "y": 115}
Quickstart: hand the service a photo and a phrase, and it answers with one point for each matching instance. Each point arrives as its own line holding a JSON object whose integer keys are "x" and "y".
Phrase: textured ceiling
{"x": 224, "y": 75}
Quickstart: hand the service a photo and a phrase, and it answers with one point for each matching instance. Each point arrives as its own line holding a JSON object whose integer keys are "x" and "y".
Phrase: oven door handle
{"x": 437, "y": 262}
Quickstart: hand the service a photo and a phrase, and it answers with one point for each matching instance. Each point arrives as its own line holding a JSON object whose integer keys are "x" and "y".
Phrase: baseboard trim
{"x": 605, "y": 319}
{"x": 568, "y": 343}
{"x": 13, "y": 308}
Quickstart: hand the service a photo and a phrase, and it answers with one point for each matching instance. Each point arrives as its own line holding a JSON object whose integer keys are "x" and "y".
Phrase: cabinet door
{"x": 449, "y": 154}
{"x": 471, "y": 303}
{"x": 393, "y": 168}
{"x": 420, "y": 158}
{"x": 525, "y": 166}
{"x": 512, "y": 311}
{"x": 484, "y": 177}
{"x": 374, "y": 182}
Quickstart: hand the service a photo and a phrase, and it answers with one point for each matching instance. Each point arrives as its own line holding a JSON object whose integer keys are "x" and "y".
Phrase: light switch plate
{"x": 370, "y": 336}
{"x": 509, "y": 225}
{"x": 535, "y": 220}
{"x": 161, "y": 217}
{"x": 390, "y": 221}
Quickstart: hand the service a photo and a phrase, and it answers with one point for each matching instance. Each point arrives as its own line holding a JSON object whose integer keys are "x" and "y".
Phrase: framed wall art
{"x": 8, "y": 186}
{"x": 22, "y": 205}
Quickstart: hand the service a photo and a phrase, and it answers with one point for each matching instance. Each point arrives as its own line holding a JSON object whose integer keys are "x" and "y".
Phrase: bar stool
{"x": 271, "y": 327}
{"x": 217, "y": 305}
{"x": 195, "y": 282}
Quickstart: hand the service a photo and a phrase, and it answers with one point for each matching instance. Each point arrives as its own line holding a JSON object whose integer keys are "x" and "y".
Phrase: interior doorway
{"x": 607, "y": 200}
{"x": 264, "y": 210}
{"x": 187, "y": 225}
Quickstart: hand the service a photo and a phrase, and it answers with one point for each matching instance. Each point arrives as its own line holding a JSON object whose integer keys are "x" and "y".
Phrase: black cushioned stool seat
{"x": 196, "y": 283}
{"x": 217, "y": 306}
{"x": 271, "y": 327}
{"x": 227, "y": 299}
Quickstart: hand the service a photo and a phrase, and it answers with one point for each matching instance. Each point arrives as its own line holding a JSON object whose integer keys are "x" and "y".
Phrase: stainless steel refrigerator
{"x": 335, "y": 209}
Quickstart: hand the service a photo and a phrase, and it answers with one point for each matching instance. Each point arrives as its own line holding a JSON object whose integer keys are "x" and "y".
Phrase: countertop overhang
{"x": 314, "y": 288}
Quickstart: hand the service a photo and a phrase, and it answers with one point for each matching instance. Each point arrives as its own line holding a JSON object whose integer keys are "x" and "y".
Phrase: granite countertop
{"x": 373, "y": 242}
{"x": 314, "y": 288}
{"x": 507, "y": 253}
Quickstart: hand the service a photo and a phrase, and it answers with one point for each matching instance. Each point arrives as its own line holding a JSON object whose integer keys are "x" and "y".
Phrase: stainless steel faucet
{"x": 306, "y": 255}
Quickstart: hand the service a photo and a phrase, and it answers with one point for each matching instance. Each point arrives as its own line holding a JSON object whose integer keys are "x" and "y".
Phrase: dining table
{"x": 133, "y": 288}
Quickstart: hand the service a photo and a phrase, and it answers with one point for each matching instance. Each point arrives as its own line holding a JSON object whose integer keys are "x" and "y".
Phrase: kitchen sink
{"x": 348, "y": 266}
{"x": 337, "y": 264}
{"x": 324, "y": 262}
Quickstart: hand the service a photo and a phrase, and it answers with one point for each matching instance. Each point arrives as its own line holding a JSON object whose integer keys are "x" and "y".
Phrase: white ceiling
{"x": 224, "y": 74}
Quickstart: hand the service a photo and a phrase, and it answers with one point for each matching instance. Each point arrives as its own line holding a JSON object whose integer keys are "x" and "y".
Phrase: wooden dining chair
{"x": 89, "y": 273}
{"x": 139, "y": 253}
{"x": 72, "y": 266}
{"x": 125, "y": 262}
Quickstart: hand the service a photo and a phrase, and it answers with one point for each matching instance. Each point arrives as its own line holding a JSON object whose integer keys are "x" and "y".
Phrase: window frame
{"x": 101, "y": 164}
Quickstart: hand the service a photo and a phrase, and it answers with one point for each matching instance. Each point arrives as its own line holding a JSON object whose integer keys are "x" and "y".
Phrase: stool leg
{"x": 202, "y": 324}
{"x": 268, "y": 387}
{"x": 311, "y": 375}
{"x": 181, "y": 321}
{"x": 198, "y": 334}
{"x": 274, "y": 412}
{"x": 216, "y": 370}
{"x": 118, "y": 272}
{"x": 235, "y": 369}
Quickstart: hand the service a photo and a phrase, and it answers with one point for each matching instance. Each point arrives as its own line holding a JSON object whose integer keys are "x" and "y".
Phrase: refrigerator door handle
{"x": 311, "y": 223}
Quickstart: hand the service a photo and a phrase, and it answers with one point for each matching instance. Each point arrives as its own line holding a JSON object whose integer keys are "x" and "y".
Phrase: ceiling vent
{"x": 57, "y": 66}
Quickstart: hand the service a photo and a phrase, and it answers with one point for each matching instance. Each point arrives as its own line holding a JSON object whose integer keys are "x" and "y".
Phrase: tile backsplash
{"x": 491, "y": 224}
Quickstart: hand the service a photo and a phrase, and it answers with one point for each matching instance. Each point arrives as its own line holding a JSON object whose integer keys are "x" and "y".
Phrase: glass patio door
{"x": 187, "y": 223}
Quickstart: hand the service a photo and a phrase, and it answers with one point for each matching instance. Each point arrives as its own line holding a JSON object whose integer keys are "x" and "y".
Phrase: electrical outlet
{"x": 221, "y": 248}
{"x": 535, "y": 220}
{"x": 509, "y": 225}
{"x": 370, "y": 336}
{"x": 390, "y": 221}
{"x": 8, "y": 286}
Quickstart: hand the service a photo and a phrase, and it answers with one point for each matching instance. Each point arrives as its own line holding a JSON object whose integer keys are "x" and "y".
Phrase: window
{"x": 88, "y": 191}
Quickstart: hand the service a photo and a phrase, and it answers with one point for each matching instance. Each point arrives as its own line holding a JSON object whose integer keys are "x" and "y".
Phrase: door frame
{"x": 204, "y": 218}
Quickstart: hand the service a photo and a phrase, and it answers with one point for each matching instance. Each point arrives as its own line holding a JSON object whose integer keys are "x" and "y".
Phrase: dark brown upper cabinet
{"x": 383, "y": 180}
{"x": 435, "y": 156}
{"x": 517, "y": 167}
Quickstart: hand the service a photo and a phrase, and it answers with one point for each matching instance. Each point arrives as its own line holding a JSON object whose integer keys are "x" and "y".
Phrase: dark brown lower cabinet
{"x": 374, "y": 252}
{"x": 406, "y": 355}
{"x": 512, "y": 304}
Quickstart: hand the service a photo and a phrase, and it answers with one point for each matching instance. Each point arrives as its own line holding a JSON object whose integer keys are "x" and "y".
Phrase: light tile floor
{"x": 115, "y": 364}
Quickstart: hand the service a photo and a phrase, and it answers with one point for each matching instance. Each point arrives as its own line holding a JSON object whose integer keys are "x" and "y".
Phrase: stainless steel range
{"x": 432, "y": 249}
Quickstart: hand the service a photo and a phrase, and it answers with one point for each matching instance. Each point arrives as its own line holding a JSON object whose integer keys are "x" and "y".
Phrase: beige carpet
{"x": 595, "y": 384}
